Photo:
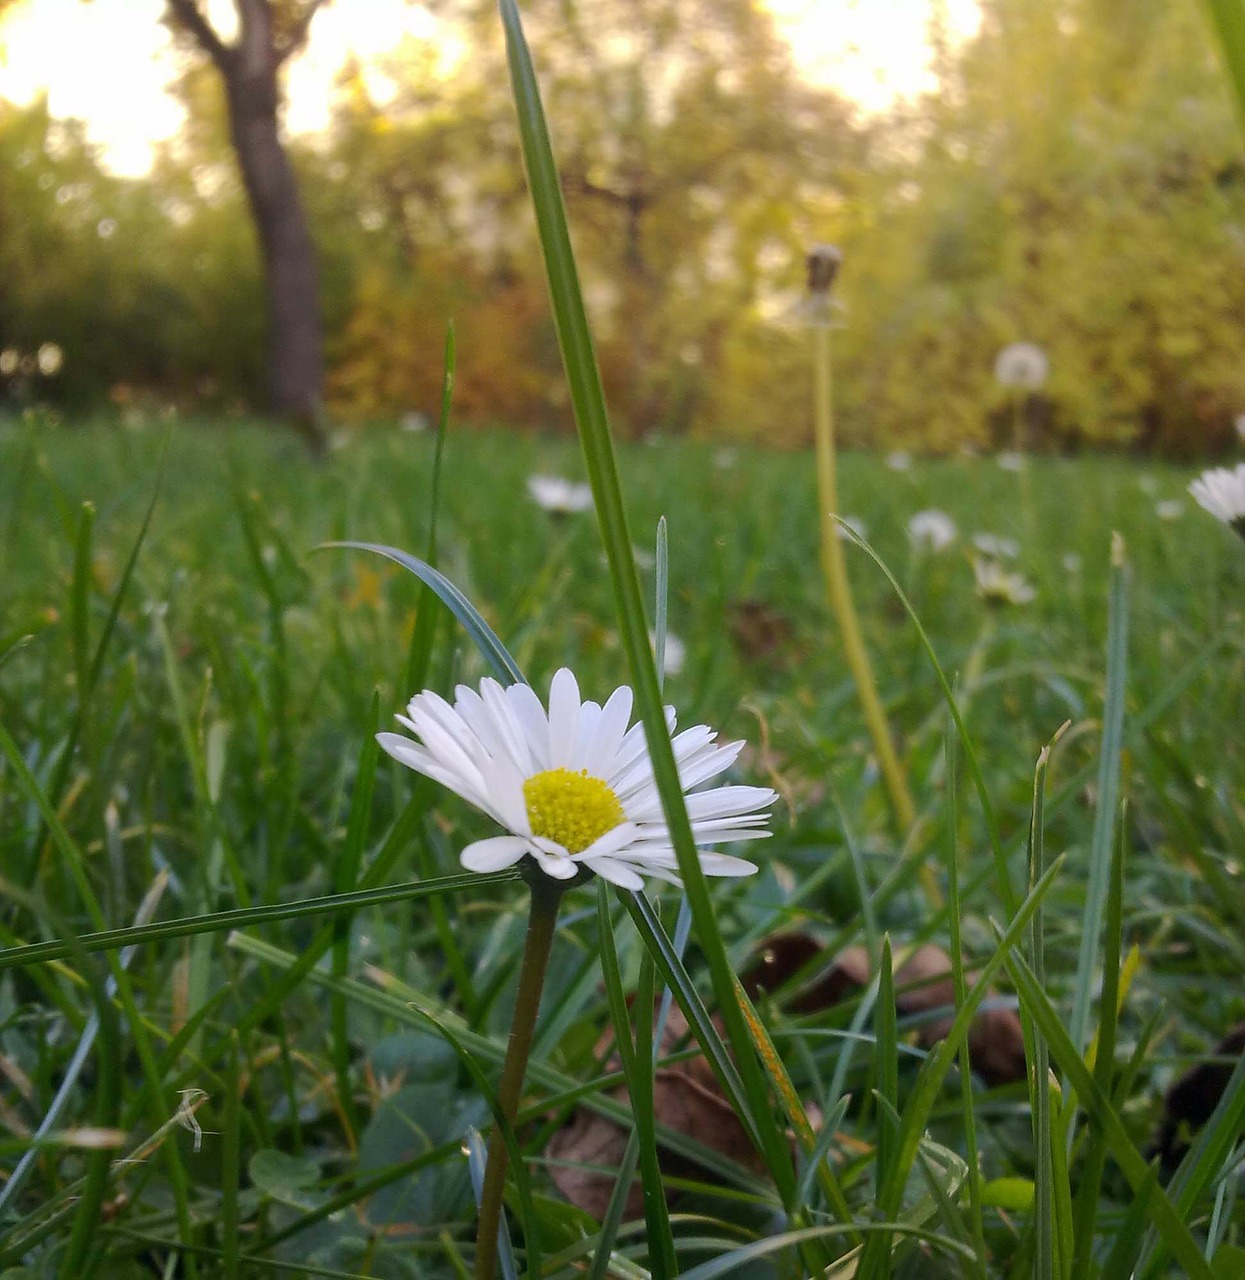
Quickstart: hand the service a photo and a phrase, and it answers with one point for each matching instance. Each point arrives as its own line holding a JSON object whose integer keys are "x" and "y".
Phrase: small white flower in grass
{"x": 931, "y": 530}
{"x": 996, "y": 586}
{"x": 855, "y": 524}
{"x": 899, "y": 460}
{"x": 676, "y": 652}
{"x": 1022, "y": 365}
{"x": 1222, "y": 492}
{"x": 1169, "y": 509}
{"x": 1071, "y": 562}
{"x": 573, "y": 787}
{"x": 558, "y": 496}
{"x": 990, "y": 544}
{"x": 1010, "y": 460}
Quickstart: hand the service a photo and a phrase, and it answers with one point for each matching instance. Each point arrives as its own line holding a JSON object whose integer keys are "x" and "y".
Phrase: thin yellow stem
{"x": 834, "y": 566}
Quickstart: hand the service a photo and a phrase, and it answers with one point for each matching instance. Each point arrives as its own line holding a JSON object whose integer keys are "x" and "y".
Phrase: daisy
{"x": 573, "y": 787}
{"x": 1022, "y": 365}
{"x": 1222, "y": 493}
{"x": 995, "y": 585}
{"x": 931, "y": 530}
{"x": 990, "y": 544}
{"x": 558, "y": 496}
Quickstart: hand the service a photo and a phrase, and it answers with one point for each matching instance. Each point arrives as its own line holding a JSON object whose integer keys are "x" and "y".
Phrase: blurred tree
{"x": 695, "y": 164}
{"x": 269, "y": 32}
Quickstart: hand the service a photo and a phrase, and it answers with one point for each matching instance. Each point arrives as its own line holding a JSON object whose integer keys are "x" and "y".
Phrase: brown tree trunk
{"x": 251, "y": 70}
{"x": 295, "y": 332}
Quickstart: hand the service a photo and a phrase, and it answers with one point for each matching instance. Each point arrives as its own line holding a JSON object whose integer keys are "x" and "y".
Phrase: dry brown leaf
{"x": 922, "y": 983}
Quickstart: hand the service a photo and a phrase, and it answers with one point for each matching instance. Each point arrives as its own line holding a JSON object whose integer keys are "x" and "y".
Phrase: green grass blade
{"x": 588, "y": 401}
{"x": 221, "y": 921}
{"x": 954, "y": 908}
{"x": 1007, "y": 894}
{"x": 929, "y": 1082}
{"x": 637, "y": 1068}
{"x": 654, "y": 936}
{"x": 1164, "y": 1215}
{"x": 1095, "y": 1155}
{"x": 481, "y": 634}
{"x": 423, "y": 638}
{"x": 1108, "y": 797}
{"x": 345, "y": 878}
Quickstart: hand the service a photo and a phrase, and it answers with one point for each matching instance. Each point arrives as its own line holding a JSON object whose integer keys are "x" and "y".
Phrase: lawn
{"x": 193, "y": 738}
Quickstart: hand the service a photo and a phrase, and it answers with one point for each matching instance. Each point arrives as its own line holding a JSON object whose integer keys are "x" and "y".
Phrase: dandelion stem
{"x": 835, "y": 569}
{"x": 541, "y": 925}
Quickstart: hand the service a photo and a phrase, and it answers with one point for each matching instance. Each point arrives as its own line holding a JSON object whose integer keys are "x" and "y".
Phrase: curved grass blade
{"x": 482, "y": 635}
{"x": 477, "y": 1161}
{"x": 1007, "y": 893}
{"x": 220, "y": 921}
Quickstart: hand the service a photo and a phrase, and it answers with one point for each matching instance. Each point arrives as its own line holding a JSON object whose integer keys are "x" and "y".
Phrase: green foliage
{"x": 1076, "y": 181}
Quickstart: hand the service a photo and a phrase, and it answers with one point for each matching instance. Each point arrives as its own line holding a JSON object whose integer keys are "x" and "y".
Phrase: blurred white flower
{"x": 1169, "y": 509}
{"x": 676, "y": 652}
{"x": 1222, "y": 492}
{"x": 1021, "y": 365}
{"x": 573, "y": 787}
{"x": 1239, "y": 424}
{"x": 931, "y": 530}
{"x": 997, "y": 586}
{"x": 1010, "y": 460}
{"x": 990, "y": 544}
{"x": 414, "y": 422}
{"x": 1072, "y": 562}
{"x": 855, "y": 524}
{"x": 559, "y": 496}
{"x": 50, "y": 358}
{"x": 724, "y": 459}
{"x": 899, "y": 460}
{"x": 9, "y": 360}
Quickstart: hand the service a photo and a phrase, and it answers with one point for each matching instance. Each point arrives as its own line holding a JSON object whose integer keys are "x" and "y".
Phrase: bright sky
{"x": 105, "y": 62}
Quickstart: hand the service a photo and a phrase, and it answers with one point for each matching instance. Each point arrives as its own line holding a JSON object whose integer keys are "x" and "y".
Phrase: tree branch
{"x": 186, "y": 14}
{"x": 297, "y": 35}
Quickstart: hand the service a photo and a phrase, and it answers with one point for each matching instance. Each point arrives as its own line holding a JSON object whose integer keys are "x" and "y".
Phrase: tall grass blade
{"x": 588, "y": 401}
{"x": 1108, "y": 796}
{"x": 1166, "y": 1218}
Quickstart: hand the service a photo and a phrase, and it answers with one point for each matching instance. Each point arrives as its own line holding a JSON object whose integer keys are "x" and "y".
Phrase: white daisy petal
{"x": 563, "y": 719}
{"x": 493, "y": 854}
{"x": 615, "y": 872}
{"x": 530, "y": 715}
{"x": 585, "y": 733}
{"x": 615, "y": 839}
{"x": 560, "y": 868}
{"x": 602, "y": 753}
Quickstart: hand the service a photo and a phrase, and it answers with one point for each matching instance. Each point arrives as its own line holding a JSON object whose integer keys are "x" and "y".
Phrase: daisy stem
{"x": 541, "y": 926}
{"x": 834, "y": 567}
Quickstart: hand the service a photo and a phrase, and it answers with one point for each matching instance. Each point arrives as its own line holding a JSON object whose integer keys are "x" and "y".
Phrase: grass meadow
{"x": 188, "y": 701}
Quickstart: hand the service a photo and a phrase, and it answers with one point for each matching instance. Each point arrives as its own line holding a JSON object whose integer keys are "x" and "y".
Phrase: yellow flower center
{"x": 571, "y": 807}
